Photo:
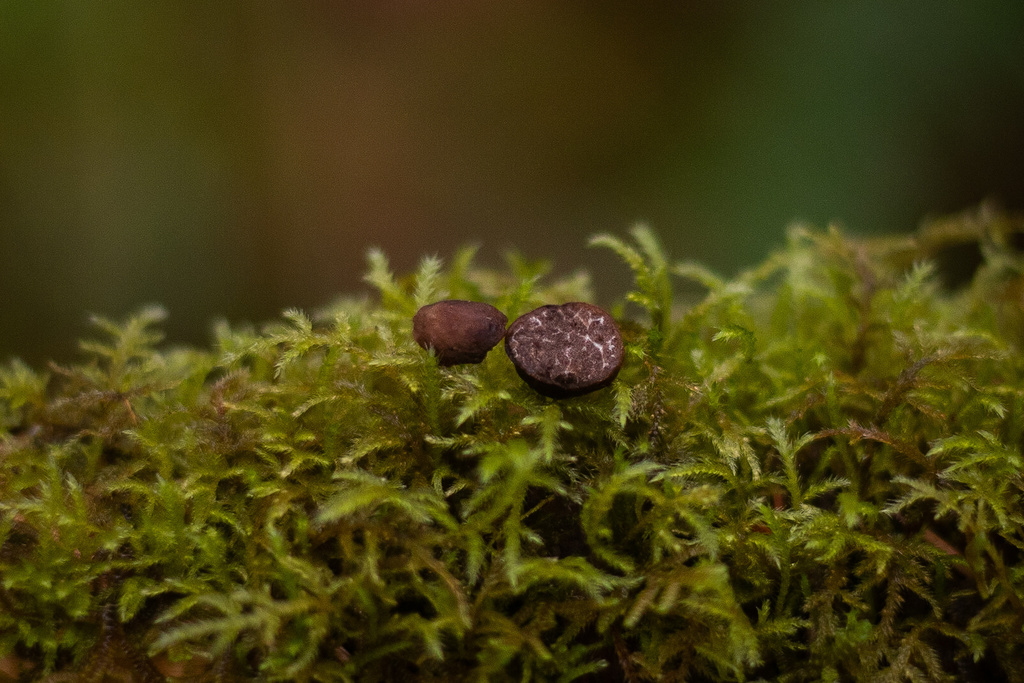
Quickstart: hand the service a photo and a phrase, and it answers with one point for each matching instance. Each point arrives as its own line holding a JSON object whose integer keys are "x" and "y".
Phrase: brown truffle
{"x": 566, "y": 350}
{"x": 458, "y": 331}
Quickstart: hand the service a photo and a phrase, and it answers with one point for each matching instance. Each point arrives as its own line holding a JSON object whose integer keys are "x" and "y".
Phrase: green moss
{"x": 812, "y": 471}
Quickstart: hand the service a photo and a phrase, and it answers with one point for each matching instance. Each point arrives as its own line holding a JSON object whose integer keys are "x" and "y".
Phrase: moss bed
{"x": 811, "y": 471}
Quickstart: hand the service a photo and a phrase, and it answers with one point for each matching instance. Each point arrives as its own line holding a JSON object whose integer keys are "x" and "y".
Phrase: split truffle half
{"x": 458, "y": 331}
{"x": 566, "y": 350}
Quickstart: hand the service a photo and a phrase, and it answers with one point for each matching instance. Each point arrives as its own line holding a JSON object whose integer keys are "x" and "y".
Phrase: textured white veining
{"x": 566, "y": 341}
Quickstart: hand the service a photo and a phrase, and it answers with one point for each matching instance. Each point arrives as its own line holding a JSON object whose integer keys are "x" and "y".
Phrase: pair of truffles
{"x": 560, "y": 351}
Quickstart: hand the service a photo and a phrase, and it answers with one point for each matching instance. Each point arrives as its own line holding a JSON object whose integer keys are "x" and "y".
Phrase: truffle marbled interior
{"x": 565, "y": 350}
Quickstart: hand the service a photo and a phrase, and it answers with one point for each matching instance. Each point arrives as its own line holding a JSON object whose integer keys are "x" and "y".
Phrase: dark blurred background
{"x": 234, "y": 158}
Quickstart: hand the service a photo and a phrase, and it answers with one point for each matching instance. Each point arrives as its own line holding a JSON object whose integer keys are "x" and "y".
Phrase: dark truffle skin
{"x": 458, "y": 331}
{"x": 566, "y": 350}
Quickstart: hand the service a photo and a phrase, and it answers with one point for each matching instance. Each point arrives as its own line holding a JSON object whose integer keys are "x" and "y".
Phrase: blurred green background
{"x": 237, "y": 157}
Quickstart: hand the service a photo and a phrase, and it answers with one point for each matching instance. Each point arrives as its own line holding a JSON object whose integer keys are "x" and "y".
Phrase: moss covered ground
{"x": 808, "y": 472}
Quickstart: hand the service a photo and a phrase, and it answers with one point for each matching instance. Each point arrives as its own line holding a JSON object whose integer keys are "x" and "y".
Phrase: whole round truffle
{"x": 566, "y": 350}
{"x": 458, "y": 331}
